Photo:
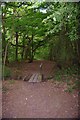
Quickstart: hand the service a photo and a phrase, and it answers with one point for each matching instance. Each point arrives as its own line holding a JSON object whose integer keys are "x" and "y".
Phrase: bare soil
{"x": 46, "y": 99}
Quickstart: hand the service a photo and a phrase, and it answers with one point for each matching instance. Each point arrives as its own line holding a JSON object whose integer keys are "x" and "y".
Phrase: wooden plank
{"x": 24, "y": 78}
{"x": 35, "y": 78}
{"x": 32, "y": 77}
{"x": 27, "y": 77}
{"x": 40, "y": 77}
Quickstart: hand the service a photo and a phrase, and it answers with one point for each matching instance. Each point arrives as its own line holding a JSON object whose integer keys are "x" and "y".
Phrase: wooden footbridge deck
{"x": 35, "y": 77}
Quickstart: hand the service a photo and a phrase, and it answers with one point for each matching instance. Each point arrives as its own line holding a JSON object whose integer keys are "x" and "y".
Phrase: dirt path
{"x": 24, "y": 68}
{"x": 22, "y": 99}
{"x": 39, "y": 100}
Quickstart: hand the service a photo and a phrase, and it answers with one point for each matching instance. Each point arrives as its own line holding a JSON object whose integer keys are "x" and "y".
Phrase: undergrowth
{"x": 70, "y": 76}
{"x": 6, "y": 72}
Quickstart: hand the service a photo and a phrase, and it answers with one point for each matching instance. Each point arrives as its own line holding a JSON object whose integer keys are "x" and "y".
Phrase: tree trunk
{"x": 16, "y": 46}
{"x": 51, "y": 54}
{"x": 31, "y": 53}
{"x": 78, "y": 32}
{"x": 3, "y": 35}
{"x": 23, "y": 49}
{"x": 5, "y": 54}
{"x": 79, "y": 51}
{"x": 4, "y": 60}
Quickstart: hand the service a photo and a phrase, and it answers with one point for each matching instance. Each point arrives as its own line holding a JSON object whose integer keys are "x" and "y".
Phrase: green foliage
{"x": 72, "y": 87}
{"x": 41, "y": 35}
{"x": 45, "y": 31}
{"x": 42, "y": 53}
{"x": 62, "y": 23}
{"x": 58, "y": 76}
{"x": 70, "y": 76}
{"x": 70, "y": 71}
{"x": 69, "y": 89}
{"x": 26, "y": 20}
{"x": 7, "y": 72}
{"x": 62, "y": 14}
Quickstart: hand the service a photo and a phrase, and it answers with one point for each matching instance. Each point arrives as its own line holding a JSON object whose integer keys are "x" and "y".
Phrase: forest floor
{"x": 47, "y": 99}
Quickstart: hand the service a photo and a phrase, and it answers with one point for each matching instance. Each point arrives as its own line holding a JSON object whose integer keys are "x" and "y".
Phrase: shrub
{"x": 6, "y": 72}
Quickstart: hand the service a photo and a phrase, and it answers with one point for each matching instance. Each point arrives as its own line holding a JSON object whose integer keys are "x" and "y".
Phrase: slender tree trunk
{"x": 16, "y": 46}
{"x": 5, "y": 54}
{"x": 79, "y": 51}
{"x": 32, "y": 56}
{"x": 78, "y": 32}
{"x": 23, "y": 49}
{"x": 31, "y": 53}
{"x": 26, "y": 53}
{"x": 3, "y": 35}
{"x": 4, "y": 60}
{"x": 51, "y": 52}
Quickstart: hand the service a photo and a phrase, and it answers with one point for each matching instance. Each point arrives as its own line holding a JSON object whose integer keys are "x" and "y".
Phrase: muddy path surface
{"x": 22, "y": 99}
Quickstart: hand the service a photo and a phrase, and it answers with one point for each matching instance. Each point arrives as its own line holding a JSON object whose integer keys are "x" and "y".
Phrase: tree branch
{"x": 18, "y": 45}
{"x": 41, "y": 43}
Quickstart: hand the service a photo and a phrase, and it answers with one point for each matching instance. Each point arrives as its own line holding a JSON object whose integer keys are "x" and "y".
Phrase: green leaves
{"x": 59, "y": 22}
{"x": 62, "y": 14}
{"x": 26, "y": 20}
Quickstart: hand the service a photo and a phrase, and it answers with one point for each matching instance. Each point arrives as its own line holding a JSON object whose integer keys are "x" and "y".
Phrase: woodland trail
{"x": 23, "y": 99}
{"x": 25, "y": 70}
